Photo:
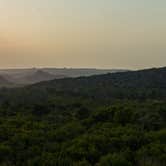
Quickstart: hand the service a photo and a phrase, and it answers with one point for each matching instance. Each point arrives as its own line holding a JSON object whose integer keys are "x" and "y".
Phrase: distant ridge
{"x": 4, "y": 82}
{"x": 142, "y": 85}
{"x": 21, "y": 77}
{"x": 38, "y": 76}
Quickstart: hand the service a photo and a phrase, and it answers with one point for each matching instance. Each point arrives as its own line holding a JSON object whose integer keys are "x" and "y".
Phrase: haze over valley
{"x": 22, "y": 77}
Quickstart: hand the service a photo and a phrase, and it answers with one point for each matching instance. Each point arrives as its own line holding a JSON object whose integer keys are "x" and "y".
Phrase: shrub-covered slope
{"x": 108, "y": 120}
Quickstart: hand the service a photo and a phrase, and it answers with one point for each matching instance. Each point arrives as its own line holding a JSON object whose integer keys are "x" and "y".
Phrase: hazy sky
{"x": 83, "y": 33}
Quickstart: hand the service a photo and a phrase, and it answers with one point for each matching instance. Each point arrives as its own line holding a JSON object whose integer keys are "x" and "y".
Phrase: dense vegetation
{"x": 108, "y": 120}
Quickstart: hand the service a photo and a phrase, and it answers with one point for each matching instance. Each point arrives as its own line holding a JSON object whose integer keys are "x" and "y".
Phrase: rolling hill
{"x": 114, "y": 119}
{"x": 22, "y": 77}
{"x": 150, "y": 83}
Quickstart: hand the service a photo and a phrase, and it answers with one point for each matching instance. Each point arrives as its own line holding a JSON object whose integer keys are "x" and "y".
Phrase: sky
{"x": 83, "y": 33}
